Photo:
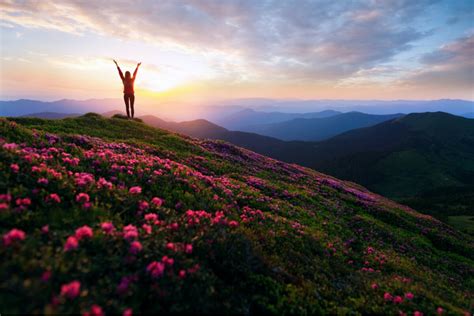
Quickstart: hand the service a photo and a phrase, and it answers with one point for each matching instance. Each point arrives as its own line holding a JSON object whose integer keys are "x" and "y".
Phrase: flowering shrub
{"x": 165, "y": 224}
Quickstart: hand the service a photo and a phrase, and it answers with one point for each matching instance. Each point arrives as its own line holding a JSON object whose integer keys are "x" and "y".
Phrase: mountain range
{"x": 315, "y": 129}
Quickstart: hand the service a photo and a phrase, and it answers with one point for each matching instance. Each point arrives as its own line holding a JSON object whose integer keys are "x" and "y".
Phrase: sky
{"x": 193, "y": 51}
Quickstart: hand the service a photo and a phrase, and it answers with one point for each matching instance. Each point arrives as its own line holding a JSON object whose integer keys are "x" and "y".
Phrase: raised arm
{"x": 135, "y": 72}
{"x": 119, "y": 70}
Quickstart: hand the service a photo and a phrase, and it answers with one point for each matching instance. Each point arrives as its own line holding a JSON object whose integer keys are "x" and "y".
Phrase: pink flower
{"x": 127, "y": 312}
{"x": 182, "y": 274}
{"x": 409, "y": 296}
{"x": 13, "y": 235}
{"x": 46, "y": 276}
{"x": 167, "y": 261}
{"x": 417, "y": 313}
{"x": 45, "y": 229}
{"x": 10, "y": 146}
{"x": 387, "y": 296}
{"x": 188, "y": 248}
{"x": 151, "y": 217}
{"x": 171, "y": 246}
{"x": 43, "y": 181}
{"x": 135, "y": 247}
{"x": 440, "y": 310}
{"x": 96, "y": 310}
{"x": 157, "y": 202}
{"x": 71, "y": 243}
{"x": 135, "y": 190}
{"x": 14, "y": 168}
{"x": 107, "y": 227}
{"x": 71, "y": 290}
{"x": 53, "y": 197}
{"x": 82, "y": 198}
{"x": 374, "y": 286}
{"x": 370, "y": 250}
{"x": 147, "y": 228}
{"x": 233, "y": 224}
{"x": 130, "y": 232}
{"x": 3, "y": 207}
{"x": 143, "y": 205}
{"x": 84, "y": 232}
{"x": 398, "y": 299}
{"x": 156, "y": 269}
{"x": 24, "y": 201}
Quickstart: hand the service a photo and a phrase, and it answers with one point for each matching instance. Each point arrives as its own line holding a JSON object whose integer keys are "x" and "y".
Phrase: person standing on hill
{"x": 128, "y": 92}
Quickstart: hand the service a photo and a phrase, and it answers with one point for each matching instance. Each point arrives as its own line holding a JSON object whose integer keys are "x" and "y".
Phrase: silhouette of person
{"x": 128, "y": 92}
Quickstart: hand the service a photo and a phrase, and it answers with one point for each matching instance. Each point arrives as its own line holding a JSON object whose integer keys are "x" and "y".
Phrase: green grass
{"x": 463, "y": 223}
{"x": 267, "y": 237}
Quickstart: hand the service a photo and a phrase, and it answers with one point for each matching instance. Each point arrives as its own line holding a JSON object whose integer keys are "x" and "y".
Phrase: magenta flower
{"x": 182, "y": 274}
{"x": 387, "y": 296}
{"x": 398, "y": 299}
{"x": 127, "y": 312}
{"x": 45, "y": 229}
{"x": 3, "y": 207}
{"x": 135, "y": 190}
{"x": 135, "y": 247}
{"x": 374, "y": 286}
{"x": 14, "y": 168}
{"x": 143, "y": 205}
{"x": 43, "y": 181}
{"x": 46, "y": 276}
{"x": 130, "y": 232}
{"x": 233, "y": 224}
{"x": 188, "y": 248}
{"x": 71, "y": 290}
{"x": 439, "y": 310}
{"x": 71, "y": 243}
{"x": 167, "y": 261}
{"x": 171, "y": 246}
{"x": 107, "y": 227}
{"x": 96, "y": 310}
{"x": 82, "y": 198}
{"x": 147, "y": 228}
{"x": 417, "y": 313}
{"x": 157, "y": 202}
{"x": 156, "y": 269}
{"x": 151, "y": 217}
{"x": 84, "y": 232}
{"x": 12, "y": 236}
{"x": 53, "y": 197}
{"x": 409, "y": 296}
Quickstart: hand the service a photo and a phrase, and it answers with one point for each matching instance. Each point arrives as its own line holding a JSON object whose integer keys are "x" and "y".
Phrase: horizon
{"x": 202, "y": 52}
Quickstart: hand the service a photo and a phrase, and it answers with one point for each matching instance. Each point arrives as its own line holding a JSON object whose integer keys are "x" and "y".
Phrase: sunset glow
{"x": 213, "y": 50}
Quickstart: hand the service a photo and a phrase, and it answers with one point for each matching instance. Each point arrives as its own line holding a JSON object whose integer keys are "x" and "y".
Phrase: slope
{"x": 112, "y": 215}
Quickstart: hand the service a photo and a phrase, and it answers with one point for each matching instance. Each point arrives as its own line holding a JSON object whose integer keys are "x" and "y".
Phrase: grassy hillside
{"x": 109, "y": 215}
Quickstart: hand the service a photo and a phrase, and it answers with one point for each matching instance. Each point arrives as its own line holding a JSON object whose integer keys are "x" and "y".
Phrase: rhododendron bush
{"x": 107, "y": 216}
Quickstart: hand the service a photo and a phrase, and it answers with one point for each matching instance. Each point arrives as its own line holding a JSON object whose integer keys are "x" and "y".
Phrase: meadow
{"x": 110, "y": 216}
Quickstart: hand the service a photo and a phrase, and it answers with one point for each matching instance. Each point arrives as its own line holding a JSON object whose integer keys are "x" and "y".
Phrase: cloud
{"x": 300, "y": 40}
{"x": 450, "y": 66}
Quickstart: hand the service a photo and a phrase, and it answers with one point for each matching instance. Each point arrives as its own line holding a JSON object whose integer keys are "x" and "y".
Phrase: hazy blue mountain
{"x": 316, "y": 129}
{"x": 243, "y": 120}
{"x": 25, "y": 107}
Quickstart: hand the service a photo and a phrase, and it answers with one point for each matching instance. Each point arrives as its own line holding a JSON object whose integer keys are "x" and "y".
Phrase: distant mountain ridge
{"x": 315, "y": 129}
{"x": 245, "y": 119}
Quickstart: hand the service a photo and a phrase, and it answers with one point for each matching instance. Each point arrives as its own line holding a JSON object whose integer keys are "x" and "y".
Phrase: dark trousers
{"x": 129, "y": 102}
